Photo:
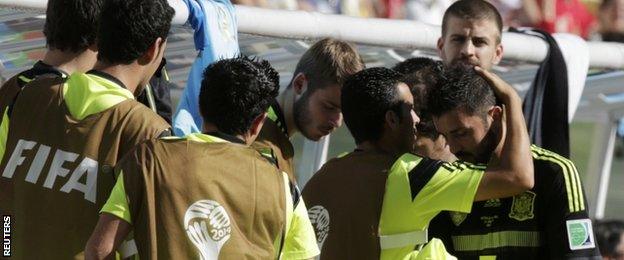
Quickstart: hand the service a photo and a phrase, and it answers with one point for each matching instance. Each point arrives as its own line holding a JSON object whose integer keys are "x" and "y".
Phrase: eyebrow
{"x": 454, "y": 131}
{"x": 482, "y": 38}
{"x": 331, "y": 103}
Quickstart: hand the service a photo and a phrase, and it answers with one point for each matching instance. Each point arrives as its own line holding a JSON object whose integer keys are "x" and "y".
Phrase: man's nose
{"x": 468, "y": 49}
{"x": 336, "y": 119}
{"x": 415, "y": 117}
{"x": 453, "y": 145}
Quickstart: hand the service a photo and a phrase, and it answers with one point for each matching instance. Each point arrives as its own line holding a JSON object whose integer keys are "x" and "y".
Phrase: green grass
{"x": 581, "y": 146}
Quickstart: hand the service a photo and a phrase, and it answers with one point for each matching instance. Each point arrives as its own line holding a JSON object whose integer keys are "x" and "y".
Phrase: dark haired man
{"x": 419, "y": 74}
{"x": 471, "y": 35}
{"x": 310, "y": 104}
{"x": 550, "y": 221}
{"x": 230, "y": 203}
{"x": 68, "y": 51}
{"x": 377, "y": 201}
{"x": 71, "y": 132}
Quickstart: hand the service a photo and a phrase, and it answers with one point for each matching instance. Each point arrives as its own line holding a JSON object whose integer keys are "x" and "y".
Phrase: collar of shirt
{"x": 89, "y": 93}
{"x": 214, "y": 137}
{"x": 276, "y": 114}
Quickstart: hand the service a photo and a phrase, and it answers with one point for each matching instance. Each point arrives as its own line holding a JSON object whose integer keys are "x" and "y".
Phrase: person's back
{"x": 533, "y": 225}
{"x": 67, "y": 134}
{"x": 203, "y": 196}
{"x": 351, "y": 193}
{"x": 210, "y": 195}
{"x": 340, "y": 186}
{"x": 59, "y": 163}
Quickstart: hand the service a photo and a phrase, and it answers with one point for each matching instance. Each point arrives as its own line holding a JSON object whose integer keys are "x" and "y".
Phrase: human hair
{"x": 412, "y": 65}
{"x": 129, "y": 27}
{"x": 235, "y": 91}
{"x": 366, "y": 97}
{"x": 329, "y": 61}
{"x": 473, "y": 10}
{"x": 71, "y": 25}
{"x": 609, "y": 236}
{"x": 460, "y": 88}
{"x": 419, "y": 74}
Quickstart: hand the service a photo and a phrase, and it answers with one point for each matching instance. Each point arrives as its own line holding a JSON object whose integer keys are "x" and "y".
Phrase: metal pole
{"x": 374, "y": 31}
{"x": 599, "y": 170}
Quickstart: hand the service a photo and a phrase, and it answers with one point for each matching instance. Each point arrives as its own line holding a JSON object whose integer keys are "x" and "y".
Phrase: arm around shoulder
{"x": 513, "y": 172}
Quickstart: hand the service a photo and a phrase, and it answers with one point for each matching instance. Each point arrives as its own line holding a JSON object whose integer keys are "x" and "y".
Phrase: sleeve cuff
{"x": 117, "y": 204}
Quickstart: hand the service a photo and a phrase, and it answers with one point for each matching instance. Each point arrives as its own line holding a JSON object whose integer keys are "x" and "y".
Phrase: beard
{"x": 485, "y": 149}
{"x": 488, "y": 145}
{"x": 465, "y": 63}
{"x": 302, "y": 116}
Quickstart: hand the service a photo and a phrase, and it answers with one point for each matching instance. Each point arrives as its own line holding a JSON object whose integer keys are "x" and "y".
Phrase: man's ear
{"x": 498, "y": 55}
{"x": 440, "y": 45}
{"x": 496, "y": 112}
{"x": 256, "y": 125}
{"x": 392, "y": 119}
{"x": 152, "y": 52}
{"x": 93, "y": 47}
{"x": 300, "y": 83}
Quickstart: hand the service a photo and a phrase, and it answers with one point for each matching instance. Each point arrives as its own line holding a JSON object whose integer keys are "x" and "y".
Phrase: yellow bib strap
{"x": 417, "y": 237}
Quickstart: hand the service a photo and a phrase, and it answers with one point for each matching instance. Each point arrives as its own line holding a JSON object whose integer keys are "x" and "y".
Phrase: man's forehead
{"x": 404, "y": 93}
{"x": 476, "y": 27}
{"x": 455, "y": 119}
{"x": 330, "y": 92}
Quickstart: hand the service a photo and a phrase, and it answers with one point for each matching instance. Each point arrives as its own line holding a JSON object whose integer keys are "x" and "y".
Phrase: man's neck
{"x": 496, "y": 152}
{"x": 128, "y": 74}
{"x": 70, "y": 62}
{"x": 211, "y": 128}
{"x": 378, "y": 147}
{"x": 286, "y": 100}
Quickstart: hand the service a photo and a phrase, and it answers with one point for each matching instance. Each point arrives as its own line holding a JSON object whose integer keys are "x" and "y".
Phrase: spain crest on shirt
{"x": 522, "y": 206}
{"x": 458, "y": 217}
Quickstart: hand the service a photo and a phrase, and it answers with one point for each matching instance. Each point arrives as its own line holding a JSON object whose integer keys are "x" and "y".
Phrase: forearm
{"x": 516, "y": 152}
{"x": 97, "y": 249}
{"x": 107, "y": 236}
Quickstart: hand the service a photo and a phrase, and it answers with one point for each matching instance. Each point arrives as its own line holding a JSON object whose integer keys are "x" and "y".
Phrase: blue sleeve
{"x": 215, "y": 37}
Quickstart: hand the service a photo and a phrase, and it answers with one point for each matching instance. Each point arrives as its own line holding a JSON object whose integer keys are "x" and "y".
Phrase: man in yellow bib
{"x": 69, "y": 133}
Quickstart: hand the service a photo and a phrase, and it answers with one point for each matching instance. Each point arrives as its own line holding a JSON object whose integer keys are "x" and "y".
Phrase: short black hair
{"x": 473, "y": 10}
{"x": 366, "y": 97}
{"x": 235, "y": 91}
{"x": 129, "y": 27}
{"x": 72, "y": 25}
{"x": 420, "y": 74}
{"x": 608, "y": 236}
{"x": 419, "y": 71}
{"x": 412, "y": 65}
{"x": 460, "y": 88}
